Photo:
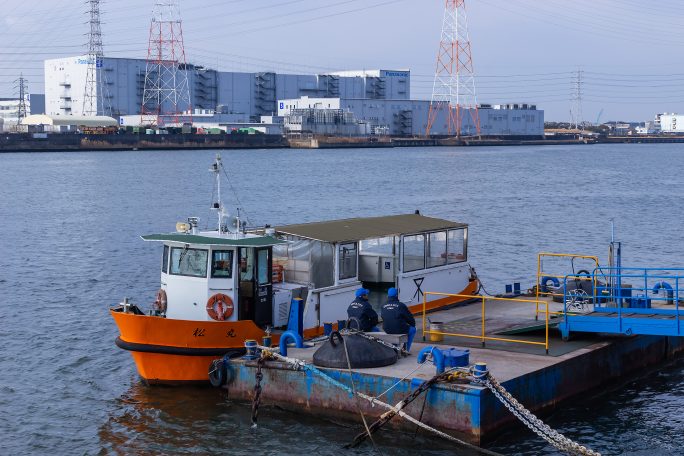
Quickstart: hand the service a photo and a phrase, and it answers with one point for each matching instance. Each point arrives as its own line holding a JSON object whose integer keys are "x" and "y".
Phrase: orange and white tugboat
{"x": 220, "y": 288}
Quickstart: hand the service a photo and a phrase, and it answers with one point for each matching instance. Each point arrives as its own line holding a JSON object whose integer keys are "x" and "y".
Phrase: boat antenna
{"x": 218, "y": 204}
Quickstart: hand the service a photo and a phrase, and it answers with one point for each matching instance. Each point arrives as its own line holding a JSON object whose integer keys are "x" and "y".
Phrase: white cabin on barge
{"x": 325, "y": 262}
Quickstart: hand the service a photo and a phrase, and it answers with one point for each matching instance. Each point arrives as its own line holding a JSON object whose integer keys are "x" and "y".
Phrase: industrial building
{"x": 404, "y": 117}
{"x": 671, "y": 123}
{"x": 244, "y": 94}
{"x": 9, "y": 110}
{"x": 378, "y": 100}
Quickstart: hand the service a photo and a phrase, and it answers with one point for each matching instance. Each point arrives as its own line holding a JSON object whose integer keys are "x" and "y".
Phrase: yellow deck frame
{"x": 483, "y": 337}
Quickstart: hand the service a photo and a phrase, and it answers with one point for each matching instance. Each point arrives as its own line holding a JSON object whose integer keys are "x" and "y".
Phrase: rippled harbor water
{"x": 70, "y": 247}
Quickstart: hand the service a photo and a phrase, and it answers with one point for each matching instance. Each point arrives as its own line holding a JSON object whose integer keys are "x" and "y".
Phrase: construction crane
{"x": 598, "y": 118}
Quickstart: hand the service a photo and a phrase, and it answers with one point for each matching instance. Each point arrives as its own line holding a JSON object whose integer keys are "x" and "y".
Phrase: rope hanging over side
{"x": 301, "y": 365}
{"x": 387, "y": 416}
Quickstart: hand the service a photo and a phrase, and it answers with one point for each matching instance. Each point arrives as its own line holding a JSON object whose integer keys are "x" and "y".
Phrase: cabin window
{"x": 263, "y": 277}
{"x": 380, "y": 246}
{"x": 437, "y": 249}
{"x": 306, "y": 262}
{"x": 222, "y": 264}
{"x": 189, "y": 262}
{"x": 457, "y": 245}
{"x": 165, "y": 260}
{"x": 347, "y": 260}
{"x": 414, "y": 252}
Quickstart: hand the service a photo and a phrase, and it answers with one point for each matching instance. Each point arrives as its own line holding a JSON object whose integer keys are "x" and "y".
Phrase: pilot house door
{"x": 264, "y": 288}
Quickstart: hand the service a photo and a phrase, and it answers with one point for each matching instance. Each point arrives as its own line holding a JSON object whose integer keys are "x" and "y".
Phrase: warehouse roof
{"x": 357, "y": 229}
{"x": 79, "y": 121}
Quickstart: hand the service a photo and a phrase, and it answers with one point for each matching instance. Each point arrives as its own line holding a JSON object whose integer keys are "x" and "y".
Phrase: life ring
{"x": 220, "y": 307}
{"x": 160, "y": 301}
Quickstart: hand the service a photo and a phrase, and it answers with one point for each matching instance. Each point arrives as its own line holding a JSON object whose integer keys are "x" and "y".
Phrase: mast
{"x": 218, "y": 204}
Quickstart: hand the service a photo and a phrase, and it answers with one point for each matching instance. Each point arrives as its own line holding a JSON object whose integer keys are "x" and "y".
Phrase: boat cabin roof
{"x": 359, "y": 229}
{"x": 254, "y": 241}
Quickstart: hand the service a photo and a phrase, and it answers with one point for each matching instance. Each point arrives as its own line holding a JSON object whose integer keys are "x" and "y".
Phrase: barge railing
{"x": 627, "y": 300}
{"x": 483, "y": 337}
{"x": 541, "y": 289}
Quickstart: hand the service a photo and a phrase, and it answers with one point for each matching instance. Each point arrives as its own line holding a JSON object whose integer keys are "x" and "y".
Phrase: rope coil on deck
{"x": 530, "y": 420}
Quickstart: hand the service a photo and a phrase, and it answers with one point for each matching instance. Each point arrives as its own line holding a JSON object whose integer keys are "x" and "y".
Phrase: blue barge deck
{"x": 468, "y": 411}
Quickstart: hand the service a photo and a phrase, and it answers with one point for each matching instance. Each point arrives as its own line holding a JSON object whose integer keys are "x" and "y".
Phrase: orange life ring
{"x": 220, "y": 307}
{"x": 160, "y": 301}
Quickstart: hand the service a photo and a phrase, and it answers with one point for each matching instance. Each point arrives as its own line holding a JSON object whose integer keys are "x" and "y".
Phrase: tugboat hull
{"x": 177, "y": 351}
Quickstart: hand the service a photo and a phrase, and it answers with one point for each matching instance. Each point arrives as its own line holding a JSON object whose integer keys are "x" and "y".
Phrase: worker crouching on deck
{"x": 362, "y": 312}
{"x": 397, "y": 319}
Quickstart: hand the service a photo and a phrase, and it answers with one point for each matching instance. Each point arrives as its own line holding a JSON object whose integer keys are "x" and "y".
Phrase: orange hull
{"x": 167, "y": 351}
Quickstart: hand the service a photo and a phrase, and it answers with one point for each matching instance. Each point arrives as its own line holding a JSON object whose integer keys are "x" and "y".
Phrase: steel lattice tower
{"x": 22, "y": 88}
{"x": 577, "y": 92}
{"x": 454, "y": 86}
{"x": 167, "y": 91}
{"x": 96, "y": 97}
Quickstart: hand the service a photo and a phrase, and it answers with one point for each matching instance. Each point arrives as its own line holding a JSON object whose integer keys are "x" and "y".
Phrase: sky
{"x": 629, "y": 52}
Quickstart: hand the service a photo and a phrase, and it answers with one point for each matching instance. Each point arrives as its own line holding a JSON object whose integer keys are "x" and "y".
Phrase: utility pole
{"x": 577, "y": 92}
{"x": 453, "y": 90}
{"x": 166, "y": 94}
{"x": 22, "y": 90}
{"x": 96, "y": 97}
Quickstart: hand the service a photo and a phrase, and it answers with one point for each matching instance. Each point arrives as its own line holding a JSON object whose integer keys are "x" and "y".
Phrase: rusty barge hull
{"x": 467, "y": 411}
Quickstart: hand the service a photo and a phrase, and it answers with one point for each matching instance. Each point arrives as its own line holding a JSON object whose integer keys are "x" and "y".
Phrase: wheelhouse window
{"x": 347, "y": 260}
{"x": 414, "y": 252}
{"x": 222, "y": 264}
{"x": 165, "y": 260}
{"x": 437, "y": 249}
{"x": 263, "y": 273}
{"x": 457, "y": 245}
{"x": 189, "y": 262}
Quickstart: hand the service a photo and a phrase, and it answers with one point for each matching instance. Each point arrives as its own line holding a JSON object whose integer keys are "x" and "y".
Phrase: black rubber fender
{"x": 218, "y": 373}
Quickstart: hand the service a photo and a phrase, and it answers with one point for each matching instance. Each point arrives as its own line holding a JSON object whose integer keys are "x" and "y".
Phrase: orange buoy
{"x": 160, "y": 301}
{"x": 220, "y": 307}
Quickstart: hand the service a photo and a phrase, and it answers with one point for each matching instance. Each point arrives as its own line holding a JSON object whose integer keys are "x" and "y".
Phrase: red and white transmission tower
{"x": 166, "y": 97}
{"x": 453, "y": 91}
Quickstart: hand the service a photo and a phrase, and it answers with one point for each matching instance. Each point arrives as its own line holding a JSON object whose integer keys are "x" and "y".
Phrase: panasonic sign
{"x": 396, "y": 73}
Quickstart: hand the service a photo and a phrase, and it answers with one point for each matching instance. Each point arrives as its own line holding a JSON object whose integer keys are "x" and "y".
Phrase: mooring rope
{"x": 298, "y": 364}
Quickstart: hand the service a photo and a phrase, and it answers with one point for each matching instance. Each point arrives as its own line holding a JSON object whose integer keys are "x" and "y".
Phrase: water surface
{"x": 69, "y": 247}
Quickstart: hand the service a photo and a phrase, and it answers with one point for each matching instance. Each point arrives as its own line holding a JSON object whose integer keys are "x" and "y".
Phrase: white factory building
{"x": 243, "y": 94}
{"x": 9, "y": 110}
{"x": 410, "y": 117}
{"x": 671, "y": 123}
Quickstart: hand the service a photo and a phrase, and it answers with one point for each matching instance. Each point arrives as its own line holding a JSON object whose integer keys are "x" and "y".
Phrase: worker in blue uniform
{"x": 397, "y": 319}
{"x": 361, "y": 310}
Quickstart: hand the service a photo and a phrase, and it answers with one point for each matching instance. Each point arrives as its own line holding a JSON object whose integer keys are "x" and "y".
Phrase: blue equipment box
{"x": 455, "y": 357}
